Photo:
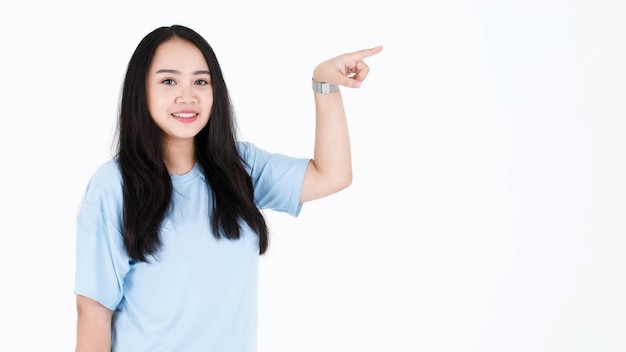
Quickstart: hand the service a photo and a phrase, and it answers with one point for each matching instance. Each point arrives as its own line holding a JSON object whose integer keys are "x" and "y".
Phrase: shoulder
{"x": 107, "y": 179}
{"x": 251, "y": 154}
{"x": 103, "y": 194}
{"x": 245, "y": 149}
{"x": 107, "y": 173}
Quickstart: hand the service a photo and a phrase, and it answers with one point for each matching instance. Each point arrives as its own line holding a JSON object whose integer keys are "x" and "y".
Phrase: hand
{"x": 347, "y": 70}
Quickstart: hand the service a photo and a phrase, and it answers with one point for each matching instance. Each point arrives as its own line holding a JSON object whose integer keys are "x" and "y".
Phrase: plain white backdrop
{"x": 488, "y": 206}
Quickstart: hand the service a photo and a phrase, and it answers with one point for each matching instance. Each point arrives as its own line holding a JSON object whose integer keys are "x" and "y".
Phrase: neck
{"x": 179, "y": 157}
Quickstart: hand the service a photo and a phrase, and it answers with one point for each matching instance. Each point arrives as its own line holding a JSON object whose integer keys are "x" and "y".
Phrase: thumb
{"x": 351, "y": 82}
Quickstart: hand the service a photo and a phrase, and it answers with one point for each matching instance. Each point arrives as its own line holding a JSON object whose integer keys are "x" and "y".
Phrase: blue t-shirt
{"x": 197, "y": 293}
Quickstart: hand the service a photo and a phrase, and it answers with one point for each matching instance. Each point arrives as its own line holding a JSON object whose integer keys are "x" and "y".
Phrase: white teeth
{"x": 187, "y": 115}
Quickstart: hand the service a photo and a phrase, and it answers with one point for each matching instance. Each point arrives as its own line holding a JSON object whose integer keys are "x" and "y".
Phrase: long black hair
{"x": 147, "y": 185}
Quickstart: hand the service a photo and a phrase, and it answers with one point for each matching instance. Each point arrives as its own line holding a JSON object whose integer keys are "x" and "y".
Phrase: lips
{"x": 185, "y": 115}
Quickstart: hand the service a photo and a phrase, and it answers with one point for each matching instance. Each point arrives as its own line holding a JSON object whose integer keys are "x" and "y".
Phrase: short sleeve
{"x": 277, "y": 178}
{"x": 101, "y": 259}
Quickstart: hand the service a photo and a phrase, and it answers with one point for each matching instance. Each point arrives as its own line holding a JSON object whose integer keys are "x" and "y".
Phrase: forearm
{"x": 331, "y": 157}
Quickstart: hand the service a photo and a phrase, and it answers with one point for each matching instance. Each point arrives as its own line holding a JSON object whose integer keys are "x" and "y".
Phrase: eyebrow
{"x": 199, "y": 72}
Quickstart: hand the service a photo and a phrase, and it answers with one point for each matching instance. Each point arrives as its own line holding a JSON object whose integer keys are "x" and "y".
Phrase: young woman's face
{"x": 179, "y": 91}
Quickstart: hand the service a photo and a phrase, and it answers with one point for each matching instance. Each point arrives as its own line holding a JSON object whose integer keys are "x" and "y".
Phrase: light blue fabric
{"x": 198, "y": 293}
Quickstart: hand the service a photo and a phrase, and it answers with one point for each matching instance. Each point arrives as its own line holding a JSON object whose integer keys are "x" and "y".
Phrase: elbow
{"x": 345, "y": 181}
{"x": 348, "y": 180}
{"x": 339, "y": 182}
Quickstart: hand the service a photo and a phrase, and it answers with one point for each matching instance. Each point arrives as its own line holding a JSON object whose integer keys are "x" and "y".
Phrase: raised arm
{"x": 331, "y": 168}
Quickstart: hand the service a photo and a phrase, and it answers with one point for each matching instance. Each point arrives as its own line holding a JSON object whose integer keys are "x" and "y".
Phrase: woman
{"x": 170, "y": 230}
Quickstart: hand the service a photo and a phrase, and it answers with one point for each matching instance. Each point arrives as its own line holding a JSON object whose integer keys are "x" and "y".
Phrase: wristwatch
{"x": 323, "y": 87}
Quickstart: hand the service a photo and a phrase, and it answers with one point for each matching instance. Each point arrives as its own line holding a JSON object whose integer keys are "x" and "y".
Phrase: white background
{"x": 488, "y": 206}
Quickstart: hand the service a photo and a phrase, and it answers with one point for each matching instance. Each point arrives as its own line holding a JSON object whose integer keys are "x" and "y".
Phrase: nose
{"x": 186, "y": 97}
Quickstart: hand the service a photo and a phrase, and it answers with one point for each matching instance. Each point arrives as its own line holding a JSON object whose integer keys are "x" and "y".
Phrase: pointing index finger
{"x": 369, "y": 52}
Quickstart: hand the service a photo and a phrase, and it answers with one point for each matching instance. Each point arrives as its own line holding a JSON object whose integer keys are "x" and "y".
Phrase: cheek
{"x": 151, "y": 100}
{"x": 207, "y": 103}
{"x": 156, "y": 101}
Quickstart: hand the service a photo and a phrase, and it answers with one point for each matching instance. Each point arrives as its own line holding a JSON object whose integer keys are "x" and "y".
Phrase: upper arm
{"x": 93, "y": 329}
{"x": 277, "y": 178}
{"x": 318, "y": 185}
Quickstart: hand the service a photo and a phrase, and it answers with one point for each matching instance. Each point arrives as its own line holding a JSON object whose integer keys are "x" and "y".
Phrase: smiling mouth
{"x": 185, "y": 115}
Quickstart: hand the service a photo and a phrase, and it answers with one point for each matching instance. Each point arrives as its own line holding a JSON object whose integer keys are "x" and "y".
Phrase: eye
{"x": 168, "y": 81}
{"x": 201, "y": 82}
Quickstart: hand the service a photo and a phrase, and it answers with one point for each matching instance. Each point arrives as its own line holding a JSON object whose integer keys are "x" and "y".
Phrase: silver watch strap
{"x": 323, "y": 87}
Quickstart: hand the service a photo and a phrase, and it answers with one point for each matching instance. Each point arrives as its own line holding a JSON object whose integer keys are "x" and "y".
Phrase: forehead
{"x": 178, "y": 54}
